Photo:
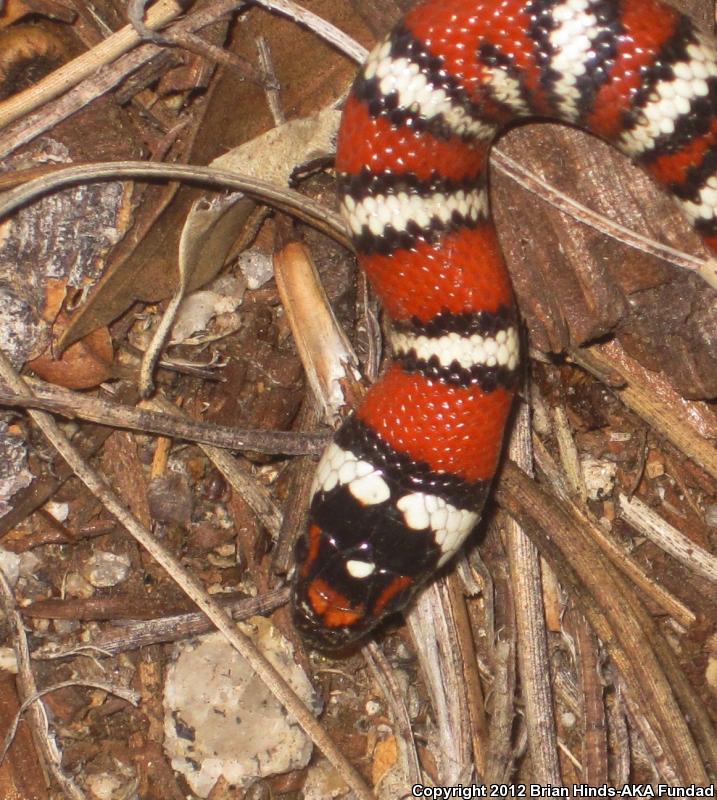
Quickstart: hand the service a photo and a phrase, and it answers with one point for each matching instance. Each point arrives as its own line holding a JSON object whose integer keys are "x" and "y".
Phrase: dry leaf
{"x": 83, "y": 365}
{"x": 385, "y": 755}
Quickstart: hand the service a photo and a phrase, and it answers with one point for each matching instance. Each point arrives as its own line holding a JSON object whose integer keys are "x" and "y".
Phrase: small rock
{"x": 75, "y": 585}
{"x": 220, "y": 720}
{"x": 568, "y": 719}
{"x": 10, "y": 566}
{"x": 14, "y": 474}
{"x": 599, "y": 477}
{"x": 654, "y": 469}
{"x": 105, "y": 569}
{"x": 257, "y": 266}
{"x": 59, "y": 511}
{"x": 170, "y": 499}
{"x": 29, "y": 564}
{"x": 108, "y": 786}
{"x": 323, "y": 782}
{"x": 711, "y": 674}
{"x": 711, "y": 516}
{"x": 8, "y": 662}
{"x": 372, "y": 707}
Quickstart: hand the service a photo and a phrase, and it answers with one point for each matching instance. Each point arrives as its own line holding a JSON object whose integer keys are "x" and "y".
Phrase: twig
{"x": 619, "y": 737}
{"x": 191, "y": 42}
{"x": 617, "y": 554}
{"x": 70, "y": 74}
{"x": 595, "y": 750}
{"x": 471, "y": 672}
{"x": 678, "y": 420}
{"x": 499, "y": 761}
{"x": 132, "y": 636}
{"x": 273, "y": 97}
{"x": 530, "y": 624}
{"x": 104, "y": 78}
{"x": 321, "y": 27}
{"x": 238, "y": 477}
{"x": 89, "y": 440}
{"x": 569, "y": 456}
{"x": 194, "y": 589}
{"x": 660, "y": 760}
{"x": 28, "y": 689}
{"x": 299, "y": 476}
{"x": 645, "y": 521}
{"x": 79, "y": 406}
{"x": 436, "y": 642}
{"x": 621, "y": 621}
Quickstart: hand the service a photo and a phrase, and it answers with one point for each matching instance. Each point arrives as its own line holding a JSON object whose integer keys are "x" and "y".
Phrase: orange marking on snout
{"x": 397, "y": 585}
{"x": 334, "y": 608}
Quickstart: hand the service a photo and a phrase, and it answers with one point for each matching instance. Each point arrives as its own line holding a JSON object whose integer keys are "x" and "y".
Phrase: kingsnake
{"x": 406, "y": 477}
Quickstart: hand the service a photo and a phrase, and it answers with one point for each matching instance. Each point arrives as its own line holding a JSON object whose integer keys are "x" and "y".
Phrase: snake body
{"x": 407, "y": 475}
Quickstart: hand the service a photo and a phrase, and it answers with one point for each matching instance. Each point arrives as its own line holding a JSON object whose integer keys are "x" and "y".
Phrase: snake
{"x": 405, "y": 479}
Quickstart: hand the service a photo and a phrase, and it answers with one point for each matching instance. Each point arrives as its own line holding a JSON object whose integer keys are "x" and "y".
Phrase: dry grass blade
{"x": 595, "y": 745}
{"x": 284, "y": 199}
{"x": 500, "y": 759}
{"x": 664, "y": 535}
{"x": 194, "y": 589}
{"x": 530, "y": 626}
{"x": 471, "y": 674}
{"x": 435, "y": 638}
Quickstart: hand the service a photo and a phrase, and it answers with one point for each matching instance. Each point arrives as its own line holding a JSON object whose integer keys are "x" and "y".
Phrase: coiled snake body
{"x": 405, "y": 480}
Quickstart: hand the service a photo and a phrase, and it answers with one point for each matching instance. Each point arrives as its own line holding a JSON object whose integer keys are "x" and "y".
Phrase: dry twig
{"x": 37, "y": 718}
{"x": 530, "y": 626}
{"x": 75, "y": 405}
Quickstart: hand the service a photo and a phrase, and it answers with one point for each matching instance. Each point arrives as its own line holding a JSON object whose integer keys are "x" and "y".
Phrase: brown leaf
{"x": 85, "y": 364}
{"x": 385, "y": 755}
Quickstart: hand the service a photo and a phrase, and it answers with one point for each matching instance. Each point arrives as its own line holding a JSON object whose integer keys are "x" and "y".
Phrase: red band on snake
{"x": 405, "y": 480}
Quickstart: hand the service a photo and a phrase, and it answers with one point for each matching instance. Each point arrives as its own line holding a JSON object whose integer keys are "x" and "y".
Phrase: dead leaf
{"x": 83, "y": 365}
{"x": 385, "y": 755}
